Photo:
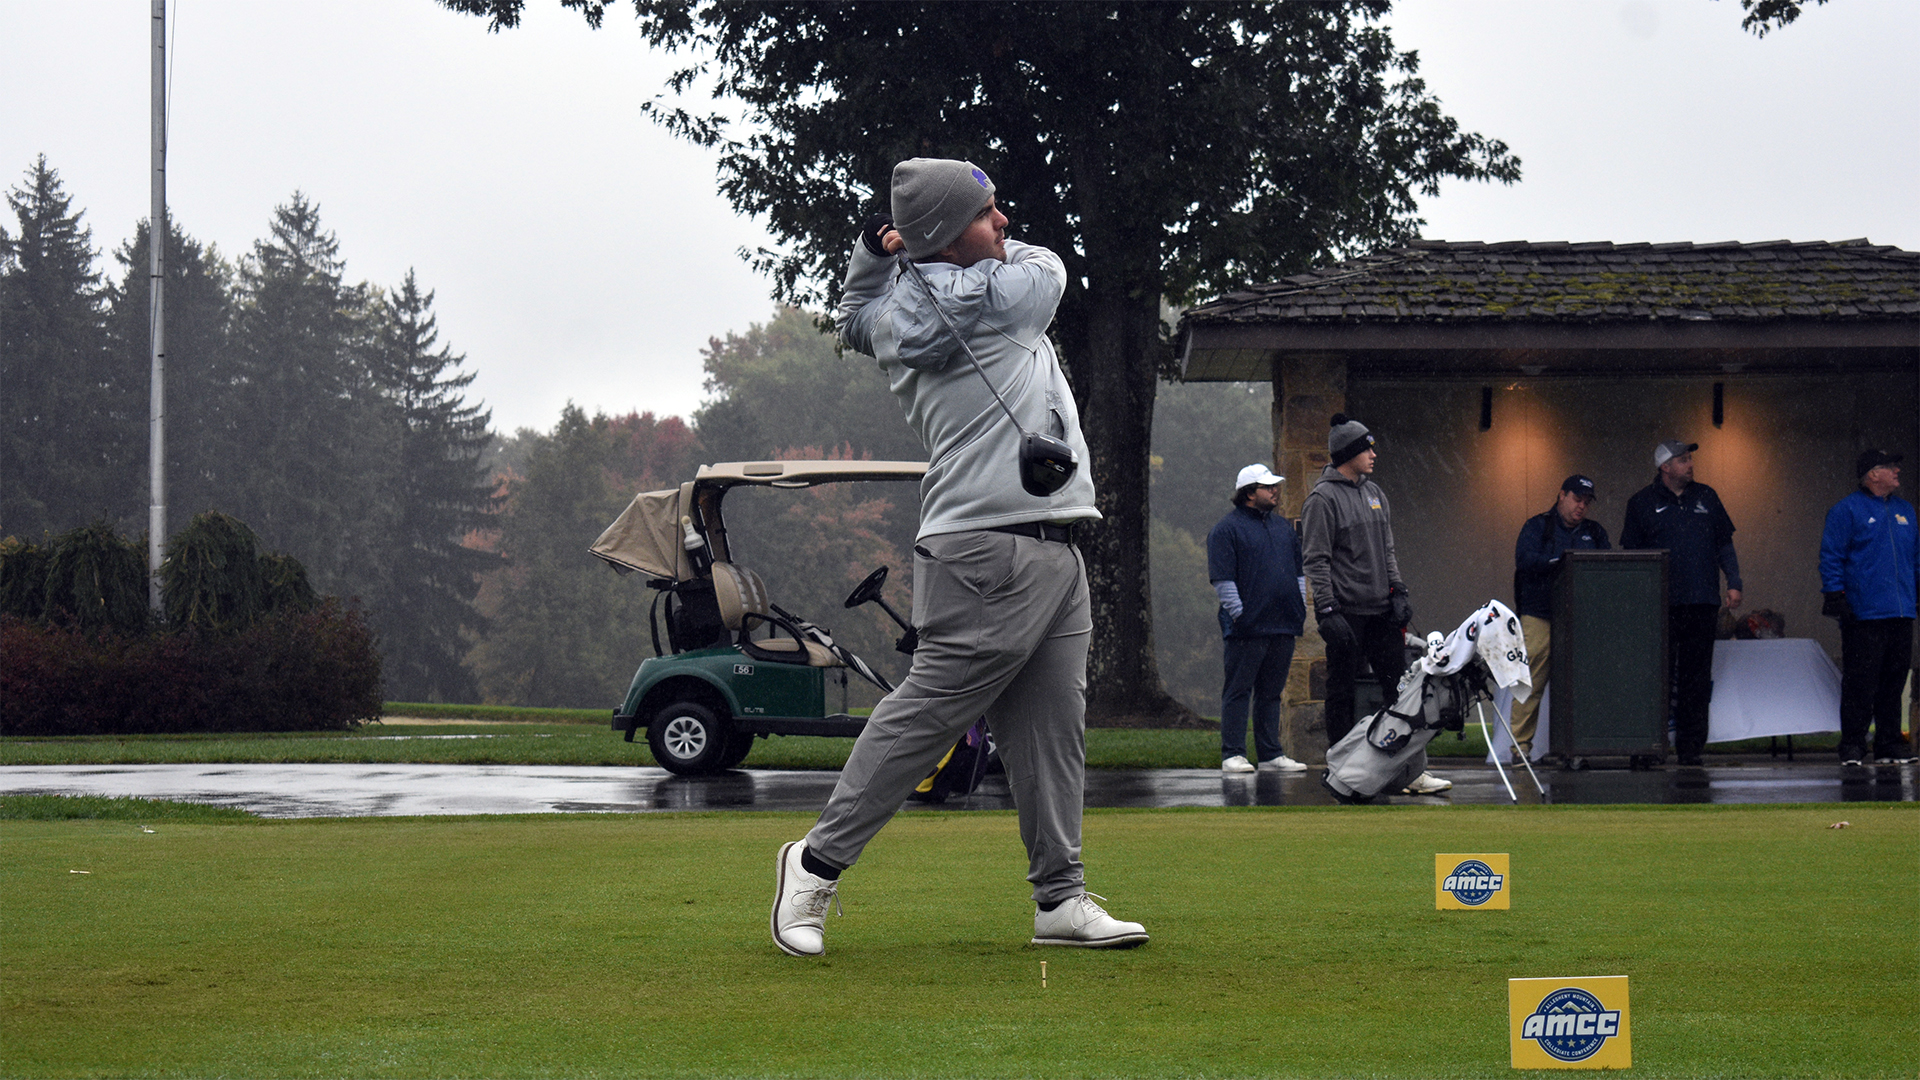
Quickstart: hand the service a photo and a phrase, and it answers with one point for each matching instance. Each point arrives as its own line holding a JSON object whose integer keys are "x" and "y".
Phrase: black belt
{"x": 1039, "y": 530}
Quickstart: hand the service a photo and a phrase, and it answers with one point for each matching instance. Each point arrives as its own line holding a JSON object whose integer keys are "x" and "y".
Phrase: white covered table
{"x": 1780, "y": 686}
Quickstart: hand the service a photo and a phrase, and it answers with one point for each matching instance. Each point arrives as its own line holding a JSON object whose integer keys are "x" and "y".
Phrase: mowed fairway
{"x": 1302, "y": 942}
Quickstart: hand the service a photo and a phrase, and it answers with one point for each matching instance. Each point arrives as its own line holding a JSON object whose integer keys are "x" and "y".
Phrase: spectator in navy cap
{"x": 1536, "y": 559}
{"x": 1867, "y": 571}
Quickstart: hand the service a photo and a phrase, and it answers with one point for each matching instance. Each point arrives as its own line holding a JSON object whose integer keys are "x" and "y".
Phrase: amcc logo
{"x": 1473, "y": 882}
{"x": 1571, "y": 1024}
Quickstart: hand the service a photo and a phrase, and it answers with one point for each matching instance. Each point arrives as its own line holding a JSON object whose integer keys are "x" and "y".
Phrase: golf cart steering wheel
{"x": 867, "y": 590}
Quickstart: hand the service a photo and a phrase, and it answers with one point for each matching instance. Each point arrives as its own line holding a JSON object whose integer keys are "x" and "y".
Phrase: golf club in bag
{"x": 1385, "y": 751}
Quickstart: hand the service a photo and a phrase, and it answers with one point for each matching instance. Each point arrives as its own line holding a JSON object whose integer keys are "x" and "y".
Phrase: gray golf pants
{"x": 1004, "y": 627}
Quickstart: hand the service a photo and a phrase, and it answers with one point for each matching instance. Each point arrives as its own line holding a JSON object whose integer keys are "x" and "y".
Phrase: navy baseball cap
{"x": 1579, "y": 485}
{"x": 1870, "y": 460}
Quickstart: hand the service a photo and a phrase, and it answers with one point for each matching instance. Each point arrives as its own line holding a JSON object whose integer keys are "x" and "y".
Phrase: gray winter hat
{"x": 934, "y": 200}
{"x": 1347, "y": 439}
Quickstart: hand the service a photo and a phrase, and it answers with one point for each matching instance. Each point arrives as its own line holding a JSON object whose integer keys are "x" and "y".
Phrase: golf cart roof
{"x": 805, "y": 473}
{"x": 651, "y": 534}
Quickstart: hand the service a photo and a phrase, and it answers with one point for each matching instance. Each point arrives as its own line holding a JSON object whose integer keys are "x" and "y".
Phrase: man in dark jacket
{"x": 1253, "y": 561}
{"x": 1869, "y": 561}
{"x": 1687, "y": 520}
{"x": 1536, "y": 559}
{"x": 1347, "y": 535}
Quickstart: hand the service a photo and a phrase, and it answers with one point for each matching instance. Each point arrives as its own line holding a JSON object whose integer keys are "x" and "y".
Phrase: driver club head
{"x": 1046, "y": 464}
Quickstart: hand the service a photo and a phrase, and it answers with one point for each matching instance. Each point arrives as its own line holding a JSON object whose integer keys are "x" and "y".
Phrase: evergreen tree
{"x": 62, "y": 413}
{"x": 441, "y": 494}
{"x": 202, "y": 454}
{"x": 319, "y": 441}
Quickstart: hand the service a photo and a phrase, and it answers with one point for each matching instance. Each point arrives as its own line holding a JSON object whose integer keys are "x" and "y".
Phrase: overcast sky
{"x": 580, "y": 254}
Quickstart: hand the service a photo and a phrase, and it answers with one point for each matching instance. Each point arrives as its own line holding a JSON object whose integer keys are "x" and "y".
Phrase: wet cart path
{"x": 332, "y": 790}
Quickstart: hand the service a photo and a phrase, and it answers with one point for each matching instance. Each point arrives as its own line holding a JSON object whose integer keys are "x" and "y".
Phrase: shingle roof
{"x": 1436, "y": 281}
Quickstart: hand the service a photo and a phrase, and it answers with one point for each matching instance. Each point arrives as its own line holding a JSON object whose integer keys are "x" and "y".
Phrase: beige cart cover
{"x": 647, "y": 536}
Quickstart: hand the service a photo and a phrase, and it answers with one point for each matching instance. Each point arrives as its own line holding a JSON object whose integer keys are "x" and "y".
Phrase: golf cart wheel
{"x": 687, "y": 739}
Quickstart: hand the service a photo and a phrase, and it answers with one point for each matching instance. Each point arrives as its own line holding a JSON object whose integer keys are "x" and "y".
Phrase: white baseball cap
{"x": 1256, "y": 474}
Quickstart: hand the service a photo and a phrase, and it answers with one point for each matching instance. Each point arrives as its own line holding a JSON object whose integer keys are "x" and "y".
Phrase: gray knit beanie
{"x": 1347, "y": 439}
{"x": 934, "y": 200}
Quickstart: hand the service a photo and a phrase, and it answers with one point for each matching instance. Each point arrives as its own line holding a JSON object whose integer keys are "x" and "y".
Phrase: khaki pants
{"x": 1526, "y": 714}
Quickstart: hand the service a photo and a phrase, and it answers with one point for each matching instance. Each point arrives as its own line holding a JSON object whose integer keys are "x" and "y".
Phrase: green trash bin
{"x": 1608, "y": 668}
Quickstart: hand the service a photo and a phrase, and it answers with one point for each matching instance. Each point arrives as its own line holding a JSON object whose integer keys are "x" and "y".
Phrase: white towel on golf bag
{"x": 1388, "y": 749}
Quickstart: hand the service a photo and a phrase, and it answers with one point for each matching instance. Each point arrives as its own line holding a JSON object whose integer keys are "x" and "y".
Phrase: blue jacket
{"x": 1696, "y": 532}
{"x": 1868, "y": 551}
{"x": 1536, "y": 558}
{"x": 1260, "y": 554}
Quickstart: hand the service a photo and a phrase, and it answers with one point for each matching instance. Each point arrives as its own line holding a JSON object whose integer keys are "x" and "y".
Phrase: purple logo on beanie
{"x": 980, "y": 176}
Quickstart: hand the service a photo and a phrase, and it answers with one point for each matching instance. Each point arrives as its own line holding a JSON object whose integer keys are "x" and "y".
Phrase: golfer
{"x": 999, "y": 590}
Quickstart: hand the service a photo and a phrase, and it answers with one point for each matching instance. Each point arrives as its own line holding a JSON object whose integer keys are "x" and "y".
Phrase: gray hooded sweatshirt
{"x": 1346, "y": 535}
{"x": 1003, "y": 309}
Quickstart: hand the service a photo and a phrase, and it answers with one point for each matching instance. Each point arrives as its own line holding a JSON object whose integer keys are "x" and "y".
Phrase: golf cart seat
{"x": 744, "y": 603}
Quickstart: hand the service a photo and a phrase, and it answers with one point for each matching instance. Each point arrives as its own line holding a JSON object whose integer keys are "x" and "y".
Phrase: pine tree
{"x": 442, "y": 493}
{"x": 62, "y": 413}
{"x": 319, "y": 441}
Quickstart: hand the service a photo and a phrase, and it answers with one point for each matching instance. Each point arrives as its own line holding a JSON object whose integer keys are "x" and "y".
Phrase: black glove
{"x": 1337, "y": 632}
{"x": 1836, "y": 606}
{"x": 1399, "y": 607}
{"x": 875, "y": 228}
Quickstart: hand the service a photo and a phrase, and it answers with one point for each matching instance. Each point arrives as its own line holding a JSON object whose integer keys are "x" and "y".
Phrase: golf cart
{"x": 736, "y": 665}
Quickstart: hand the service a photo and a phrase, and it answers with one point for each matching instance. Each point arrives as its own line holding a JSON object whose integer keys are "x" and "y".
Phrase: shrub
{"x": 96, "y": 580}
{"x": 23, "y": 578}
{"x": 211, "y": 578}
{"x": 289, "y": 671}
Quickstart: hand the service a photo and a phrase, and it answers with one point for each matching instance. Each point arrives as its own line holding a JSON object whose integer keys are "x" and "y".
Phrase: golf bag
{"x": 961, "y": 770}
{"x": 1387, "y": 750}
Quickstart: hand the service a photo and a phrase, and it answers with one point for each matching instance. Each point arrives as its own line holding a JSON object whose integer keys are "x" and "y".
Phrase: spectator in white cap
{"x": 1686, "y": 518}
{"x": 1253, "y": 560}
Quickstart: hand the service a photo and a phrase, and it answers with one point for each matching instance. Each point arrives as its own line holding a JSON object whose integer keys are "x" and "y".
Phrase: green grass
{"x": 527, "y": 743}
{"x": 111, "y": 808}
{"x": 1286, "y": 943}
{"x": 532, "y": 742}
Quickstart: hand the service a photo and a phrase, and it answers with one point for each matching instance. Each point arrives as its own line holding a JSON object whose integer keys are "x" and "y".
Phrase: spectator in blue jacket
{"x": 1868, "y": 566}
{"x": 1686, "y": 519}
{"x": 1253, "y": 560}
{"x": 1536, "y": 559}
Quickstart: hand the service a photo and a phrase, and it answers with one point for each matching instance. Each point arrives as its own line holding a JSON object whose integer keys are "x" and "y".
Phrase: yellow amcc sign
{"x": 1570, "y": 1023}
{"x": 1471, "y": 883}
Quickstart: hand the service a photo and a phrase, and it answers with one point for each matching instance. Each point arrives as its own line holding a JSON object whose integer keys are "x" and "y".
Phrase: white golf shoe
{"x": 1238, "y": 763}
{"x": 1283, "y": 763}
{"x": 1082, "y": 922}
{"x": 800, "y": 903}
{"x": 1428, "y": 784}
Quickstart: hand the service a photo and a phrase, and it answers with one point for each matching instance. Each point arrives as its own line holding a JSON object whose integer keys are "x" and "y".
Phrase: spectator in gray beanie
{"x": 1361, "y": 604}
{"x": 1348, "y": 438}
